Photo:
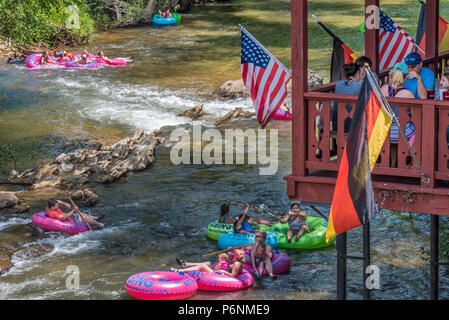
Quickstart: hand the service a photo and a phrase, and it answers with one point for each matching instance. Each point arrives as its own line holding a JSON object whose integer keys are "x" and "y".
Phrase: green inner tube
{"x": 177, "y": 16}
{"x": 315, "y": 239}
{"x": 216, "y": 229}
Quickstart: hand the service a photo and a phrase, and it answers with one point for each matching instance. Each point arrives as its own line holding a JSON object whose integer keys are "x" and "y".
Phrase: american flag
{"x": 264, "y": 77}
{"x": 394, "y": 43}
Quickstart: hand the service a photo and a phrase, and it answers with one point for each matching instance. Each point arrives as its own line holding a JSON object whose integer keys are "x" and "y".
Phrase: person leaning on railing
{"x": 396, "y": 89}
{"x": 350, "y": 85}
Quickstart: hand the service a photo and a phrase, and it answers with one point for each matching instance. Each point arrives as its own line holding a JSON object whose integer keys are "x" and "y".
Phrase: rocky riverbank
{"x": 81, "y": 170}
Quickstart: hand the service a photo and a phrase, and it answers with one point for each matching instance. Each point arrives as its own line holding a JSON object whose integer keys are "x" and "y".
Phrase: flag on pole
{"x": 394, "y": 43}
{"x": 341, "y": 54}
{"x": 264, "y": 76}
{"x": 443, "y": 32}
{"x": 353, "y": 202}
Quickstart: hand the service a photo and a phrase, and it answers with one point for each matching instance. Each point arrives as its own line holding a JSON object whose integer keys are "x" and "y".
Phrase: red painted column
{"x": 372, "y": 34}
{"x": 432, "y": 18}
{"x": 299, "y": 43}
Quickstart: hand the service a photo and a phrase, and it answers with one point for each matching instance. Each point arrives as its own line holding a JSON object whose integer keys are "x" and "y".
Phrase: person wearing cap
{"x": 419, "y": 78}
{"x": 397, "y": 89}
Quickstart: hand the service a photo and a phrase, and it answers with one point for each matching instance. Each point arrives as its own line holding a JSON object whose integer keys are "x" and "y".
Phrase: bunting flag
{"x": 264, "y": 76}
{"x": 443, "y": 32}
{"x": 341, "y": 54}
{"x": 353, "y": 202}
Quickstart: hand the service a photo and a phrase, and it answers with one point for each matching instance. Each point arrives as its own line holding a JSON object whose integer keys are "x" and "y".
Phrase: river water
{"x": 162, "y": 212}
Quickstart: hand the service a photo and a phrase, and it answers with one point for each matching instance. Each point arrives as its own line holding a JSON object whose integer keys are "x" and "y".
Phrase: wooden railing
{"x": 430, "y": 120}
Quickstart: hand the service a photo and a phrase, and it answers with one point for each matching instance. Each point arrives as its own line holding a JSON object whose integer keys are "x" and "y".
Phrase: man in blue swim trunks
{"x": 419, "y": 78}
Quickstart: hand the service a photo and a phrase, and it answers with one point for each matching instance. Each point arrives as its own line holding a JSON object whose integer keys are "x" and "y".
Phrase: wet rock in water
{"x": 314, "y": 79}
{"x": 8, "y": 200}
{"x": 77, "y": 195}
{"x": 66, "y": 167}
{"x": 33, "y": 251}
{"x": 233, "y": 115}
{"x": 12, "y": 175}
{"x": 193, "y": 113}
{"x": 97, "y": 162}
{"x": 49, "y": 182}
{"x": 233, "y": 89}
{"x": 5, "y": 263}
{"x": 90, "y": 197}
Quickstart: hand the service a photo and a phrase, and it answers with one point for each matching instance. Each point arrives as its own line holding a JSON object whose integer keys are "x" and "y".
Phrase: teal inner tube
{"x": 232, "y": 239}
{"x": 163, "y": 21}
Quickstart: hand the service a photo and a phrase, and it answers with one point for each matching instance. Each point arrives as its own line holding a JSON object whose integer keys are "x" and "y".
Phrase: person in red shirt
{"x": 53, "y": 211}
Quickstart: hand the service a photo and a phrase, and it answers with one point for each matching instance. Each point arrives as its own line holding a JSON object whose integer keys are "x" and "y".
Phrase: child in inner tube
{"x": 242, "y": 225}
{"x": 45, "y": 57}
{"x": 297, "y": 222}
{"x": 84, "y": 58}
{"x": 64, "y": 56}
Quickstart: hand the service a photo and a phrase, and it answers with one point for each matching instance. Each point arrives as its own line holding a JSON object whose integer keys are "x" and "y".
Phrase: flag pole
{"x": 424, "y": 174}
{"x": 325, "y": 28}
{"x": 418, "y": 47}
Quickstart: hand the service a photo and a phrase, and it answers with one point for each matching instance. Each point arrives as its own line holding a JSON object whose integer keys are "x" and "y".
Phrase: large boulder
{"x": 233, "y": 89}
{"x": 8, "y": 200}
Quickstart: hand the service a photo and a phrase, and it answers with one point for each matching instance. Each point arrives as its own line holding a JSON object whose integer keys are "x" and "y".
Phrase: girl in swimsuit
{"x": 259, "y": 258}
{"x": 297, "y": 222}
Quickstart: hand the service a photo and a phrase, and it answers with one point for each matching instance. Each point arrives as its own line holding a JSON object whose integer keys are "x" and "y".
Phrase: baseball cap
{"x": 402, "y": 66}
{"x": 412, "y": 59}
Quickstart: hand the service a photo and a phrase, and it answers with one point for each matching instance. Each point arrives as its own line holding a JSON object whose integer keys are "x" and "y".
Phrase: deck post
{"x": 434, "y": 247}
{"x": 299, "y": 80}
{"x": 366, "y": 259}
{"x": 372, "y": 37}
{"x": 432, "y": 22}
{"x": 341, "y": 266}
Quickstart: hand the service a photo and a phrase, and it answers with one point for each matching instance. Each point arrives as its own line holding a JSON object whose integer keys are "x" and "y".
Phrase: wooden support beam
{"x": 341, "y": 266}
{"x": 366, "y": 259}
{"x": 372, "y": 37}
{"x": 432, "y": 19}
{"x": 299, "y": 80}
{"x": 434, "y": 247}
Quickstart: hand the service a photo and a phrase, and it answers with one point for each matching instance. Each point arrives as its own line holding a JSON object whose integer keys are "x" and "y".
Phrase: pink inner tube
{"x": 282, "y": 115}
{"x": 161, "y": 285}
{"x": 113, "y": 62}
{"x": 90, "y": 65}
{"x": 50, "y": 224}
{"x": 281, "y": 263}
{"x": 211, "y": 281}
{"x": 33, "y": 60}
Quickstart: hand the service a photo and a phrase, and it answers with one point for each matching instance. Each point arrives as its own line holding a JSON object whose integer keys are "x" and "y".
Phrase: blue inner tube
{"x": 232, "y": 239}
{"x": 158, "y": 20}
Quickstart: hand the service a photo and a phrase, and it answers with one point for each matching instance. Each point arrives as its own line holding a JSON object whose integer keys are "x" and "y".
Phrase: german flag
{"x": 341, "y": 54}
{"x": 443, "y": 32}
{"x": 353, "y": 202}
